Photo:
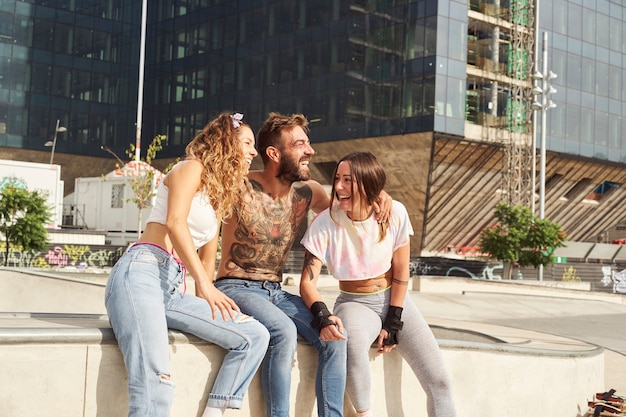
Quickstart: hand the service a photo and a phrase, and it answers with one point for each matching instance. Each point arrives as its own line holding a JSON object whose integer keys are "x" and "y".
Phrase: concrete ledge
{"x": 561, "y": 289}
{"x": 69, "y": 365}
{"x": 48, "y": 357}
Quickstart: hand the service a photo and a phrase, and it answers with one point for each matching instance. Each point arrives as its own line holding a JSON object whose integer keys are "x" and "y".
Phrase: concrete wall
{"x": 44, "y": 293}
{"x": 578, "y": 290}
{"x": 57, "y": 369}
{"x": 60, "y": 363}
{"x": 48, "y": 293}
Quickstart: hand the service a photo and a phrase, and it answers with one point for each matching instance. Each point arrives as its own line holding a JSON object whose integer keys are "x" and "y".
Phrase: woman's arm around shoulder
{"x": 383, "y": 207}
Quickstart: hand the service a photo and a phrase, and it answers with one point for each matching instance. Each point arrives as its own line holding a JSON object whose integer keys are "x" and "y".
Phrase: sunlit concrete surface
{"x": 499, "y": 365}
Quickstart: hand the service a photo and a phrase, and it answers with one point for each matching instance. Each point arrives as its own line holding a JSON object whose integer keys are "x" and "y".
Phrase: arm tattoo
{"x": 309, "y": 261}
{"x": 399, "y": 281}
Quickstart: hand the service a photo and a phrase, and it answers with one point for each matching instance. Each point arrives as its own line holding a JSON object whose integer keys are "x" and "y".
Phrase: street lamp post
{"x": 53, "y": 142}
{"x": 544, "y": 104}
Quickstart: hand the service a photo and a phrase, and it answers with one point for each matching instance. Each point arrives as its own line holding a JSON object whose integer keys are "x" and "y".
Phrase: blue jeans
{"x": 285, "y": 315}
{"x": 143, "y": 302}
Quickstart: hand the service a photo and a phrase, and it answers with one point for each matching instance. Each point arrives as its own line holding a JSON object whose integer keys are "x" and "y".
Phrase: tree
{"x": 23, "y": 214}
{"x": 520, "y": 237}
{"x": 142, "y": 182}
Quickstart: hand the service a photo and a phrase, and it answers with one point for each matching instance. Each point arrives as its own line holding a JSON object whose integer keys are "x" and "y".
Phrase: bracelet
{"x": 393, "y": 324}
{"x": 321, "y": 315}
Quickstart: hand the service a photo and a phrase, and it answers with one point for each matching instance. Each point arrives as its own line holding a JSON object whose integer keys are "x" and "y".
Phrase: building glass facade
{"x": 75, "y": 61}
{"x": 451, "y": 61}
{"x": 441, "y": 89}
{"x": 587, "y": 50}
{"x": 356, "y": 69}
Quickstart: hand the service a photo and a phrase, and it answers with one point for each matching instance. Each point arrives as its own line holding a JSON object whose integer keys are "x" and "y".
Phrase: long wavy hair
{"x": 225, "y": 171}
{"x": 369, "y": 176}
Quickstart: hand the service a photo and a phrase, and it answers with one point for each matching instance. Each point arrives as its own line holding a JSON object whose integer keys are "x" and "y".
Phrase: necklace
{"x": 352, "y": 217}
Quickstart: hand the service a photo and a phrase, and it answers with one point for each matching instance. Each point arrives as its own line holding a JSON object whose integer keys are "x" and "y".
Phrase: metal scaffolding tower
{"x": 501, "y": 58}
{"x": 518, "y": 136}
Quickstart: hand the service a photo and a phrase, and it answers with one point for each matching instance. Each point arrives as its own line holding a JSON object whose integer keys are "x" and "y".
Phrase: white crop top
{"x": 350, "y": 249}
{"x": 202, "y": 220}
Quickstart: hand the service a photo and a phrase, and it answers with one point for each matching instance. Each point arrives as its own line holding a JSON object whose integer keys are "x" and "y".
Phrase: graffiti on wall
{"x": 450, "y": 267}
{"x": 422, "y": 267}
{"x": 438, "y": 266}
{"x": 60, "y": 256}
{"x": 56, "y": 257}
{"x": 614, "y": 278}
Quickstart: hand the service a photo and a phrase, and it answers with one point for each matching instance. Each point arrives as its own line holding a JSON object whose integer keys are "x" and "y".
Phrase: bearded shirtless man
{"x": 255, "y": 245}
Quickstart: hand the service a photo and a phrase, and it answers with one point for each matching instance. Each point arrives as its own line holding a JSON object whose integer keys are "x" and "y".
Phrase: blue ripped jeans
{"x": 143, "y": 301}
{"x": 285, "y": 315}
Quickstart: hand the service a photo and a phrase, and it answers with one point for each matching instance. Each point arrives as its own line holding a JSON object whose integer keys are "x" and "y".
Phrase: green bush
{"x": 23, "y": 216}
{"x": 520, "y": 237}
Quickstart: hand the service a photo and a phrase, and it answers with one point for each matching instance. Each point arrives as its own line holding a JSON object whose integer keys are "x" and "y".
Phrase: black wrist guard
{"x": 393, "y": 325}
{"x": 320, "y": 315}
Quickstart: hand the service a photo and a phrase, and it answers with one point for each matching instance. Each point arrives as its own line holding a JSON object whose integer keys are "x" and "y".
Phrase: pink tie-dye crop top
{"x": 350, "y": 249}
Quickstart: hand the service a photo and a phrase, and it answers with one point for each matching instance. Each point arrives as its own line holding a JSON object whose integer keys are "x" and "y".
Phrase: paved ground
{"x": 595, "y": 322}
{"x": 560, "y": 315}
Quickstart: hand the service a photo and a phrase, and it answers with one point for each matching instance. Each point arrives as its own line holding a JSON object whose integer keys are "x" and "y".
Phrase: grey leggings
{"x": 362, "y": 316}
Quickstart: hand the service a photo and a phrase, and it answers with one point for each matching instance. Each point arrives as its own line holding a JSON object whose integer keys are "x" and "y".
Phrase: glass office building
{"x": 72, "y": 61}
{"x": 358, "y": 69}
{"x": 442, "y": 89}
{"x": 587, "y": 49}
{"x": 355, "y": 68}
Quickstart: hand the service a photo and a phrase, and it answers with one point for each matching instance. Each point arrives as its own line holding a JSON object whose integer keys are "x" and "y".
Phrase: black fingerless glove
{"x": 320, "y": 315}
{"x": 393, "y": 325}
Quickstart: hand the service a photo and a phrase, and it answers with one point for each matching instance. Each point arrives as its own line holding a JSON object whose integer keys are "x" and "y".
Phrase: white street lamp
{"x": 544, "y": 104}
{"x": 53, "y": 142}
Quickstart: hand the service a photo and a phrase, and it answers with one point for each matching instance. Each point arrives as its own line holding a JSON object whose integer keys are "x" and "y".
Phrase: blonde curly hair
{"x": 219, "y": 149}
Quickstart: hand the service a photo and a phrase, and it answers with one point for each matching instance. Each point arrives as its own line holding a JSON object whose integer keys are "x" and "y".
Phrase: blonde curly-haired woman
{"x": 145, "y": 294}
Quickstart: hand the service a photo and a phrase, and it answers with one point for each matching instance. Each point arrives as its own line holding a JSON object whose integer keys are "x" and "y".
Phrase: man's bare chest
{"x": 264, "y": 207}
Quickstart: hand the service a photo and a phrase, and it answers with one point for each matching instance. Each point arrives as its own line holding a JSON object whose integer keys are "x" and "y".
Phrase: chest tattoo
{"x": 267, "y": 228}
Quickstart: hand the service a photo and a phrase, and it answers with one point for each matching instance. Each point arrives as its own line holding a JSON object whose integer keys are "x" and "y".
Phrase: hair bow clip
{"x": 236, "y": 118}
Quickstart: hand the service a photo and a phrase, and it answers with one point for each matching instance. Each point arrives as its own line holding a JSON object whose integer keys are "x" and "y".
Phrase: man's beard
{"x": 290, "y": 172}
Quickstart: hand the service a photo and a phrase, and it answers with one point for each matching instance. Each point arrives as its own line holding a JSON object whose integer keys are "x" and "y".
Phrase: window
{"x": 600, "y": 192}
{"x": 577, "y": 189}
